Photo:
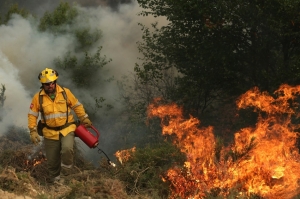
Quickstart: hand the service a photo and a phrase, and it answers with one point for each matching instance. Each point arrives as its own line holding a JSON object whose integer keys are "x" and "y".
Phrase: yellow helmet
{"x": 48, "y": 75}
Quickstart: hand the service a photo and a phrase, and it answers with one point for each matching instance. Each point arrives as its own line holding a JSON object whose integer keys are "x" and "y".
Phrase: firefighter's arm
{"x": 33, "y": 114}
{"x": 78, "y": 108}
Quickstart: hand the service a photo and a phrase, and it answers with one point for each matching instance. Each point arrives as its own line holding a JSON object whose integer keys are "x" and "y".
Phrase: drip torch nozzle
{"x": 108, "y": 160}
{"x": 111, "y": 163}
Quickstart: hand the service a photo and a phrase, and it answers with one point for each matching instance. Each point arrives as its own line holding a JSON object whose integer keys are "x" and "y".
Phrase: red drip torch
{"x": 90, "y": 139}
{"x": 87, "y": 137}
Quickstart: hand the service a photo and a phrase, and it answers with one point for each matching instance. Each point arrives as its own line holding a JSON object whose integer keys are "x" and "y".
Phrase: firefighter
{"x": 55, "y": 104}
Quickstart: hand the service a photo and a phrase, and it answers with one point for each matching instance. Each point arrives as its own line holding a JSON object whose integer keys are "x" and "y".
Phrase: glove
{"x": 86, "y": 122}
{"x": 34, "y": 136}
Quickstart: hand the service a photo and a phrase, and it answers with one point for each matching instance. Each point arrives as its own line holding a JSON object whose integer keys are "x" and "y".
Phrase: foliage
{"x": 2, "y": 99}
{"x": 62, "y": 21}
{"x": 83, "y": 71}
{"x": 23, "y": 171}
{"x": 2, "y": 96}
{"x": 236, "y": 155}
{"x": 17, "y": 134}
{"x": 83, "y": 68}
{"x": 64, "y": 14}
{"x": 221, "y": 48}
{"x": 14, "y": 9}
{"x": 81, "y": 63}
{"x": 232, "y": 194}
{"x": 99, "y": 187}
{"x": 143, "y": 172}
{"x": 9, "y": 181}
{"x": 218, "y": 147}
{"x": 136, "y": 97}
{"x": 86, "y": 37}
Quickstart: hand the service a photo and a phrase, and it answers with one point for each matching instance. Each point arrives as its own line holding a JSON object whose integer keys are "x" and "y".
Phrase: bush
{"x": 142, "y": 173}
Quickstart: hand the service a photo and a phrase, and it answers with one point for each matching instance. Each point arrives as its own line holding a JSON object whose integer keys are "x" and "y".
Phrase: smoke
{"x": 24, "y": 52}
{"x": 14, "y": 94}
{"x": 39, "y": 7}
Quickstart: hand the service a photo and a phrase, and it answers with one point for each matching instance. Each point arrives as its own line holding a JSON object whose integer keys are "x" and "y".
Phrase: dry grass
{"x": 23, "y": 171}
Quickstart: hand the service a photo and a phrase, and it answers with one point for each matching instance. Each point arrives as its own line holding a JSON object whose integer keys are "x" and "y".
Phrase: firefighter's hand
{"x": 86, "y": 122}
{"x": 34, "y": 136}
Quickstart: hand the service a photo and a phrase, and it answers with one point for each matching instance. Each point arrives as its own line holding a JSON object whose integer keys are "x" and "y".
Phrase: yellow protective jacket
{"x": 55, "y": 112}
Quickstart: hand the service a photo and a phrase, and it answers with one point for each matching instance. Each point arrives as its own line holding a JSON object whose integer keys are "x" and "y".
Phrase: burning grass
{"x": 24, "y": 171}
{"x": 263, "y": 160}
{"x": 142, "y": 169}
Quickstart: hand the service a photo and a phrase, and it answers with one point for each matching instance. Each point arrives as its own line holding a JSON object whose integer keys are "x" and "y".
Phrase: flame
{"x": 33, "y": 162}
{"x": 262, "y": 160}
{"x": 124, "y": 155}
{"x": 36, "y": 162}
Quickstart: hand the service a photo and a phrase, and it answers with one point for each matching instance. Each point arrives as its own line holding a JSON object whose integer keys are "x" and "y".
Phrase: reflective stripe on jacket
{"x": 55, "y": 112}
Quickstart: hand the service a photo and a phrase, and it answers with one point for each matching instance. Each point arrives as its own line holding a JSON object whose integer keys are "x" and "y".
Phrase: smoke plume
{"x": 24, "y": 52}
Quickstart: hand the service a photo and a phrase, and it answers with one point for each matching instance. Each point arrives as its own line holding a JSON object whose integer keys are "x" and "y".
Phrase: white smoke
{"x": 24, "y": 52}
{"x": 17, "y": 101}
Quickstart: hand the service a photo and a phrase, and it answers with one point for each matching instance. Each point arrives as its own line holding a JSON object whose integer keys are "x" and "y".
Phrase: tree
{"x": 83, "y": 70}
{"x": 64, "y": 14}
{"x": 2, "y": 98}
{"x": 221, "y": 48}
{"x": 81, "y": 61}
{"x": 14, "y": 9}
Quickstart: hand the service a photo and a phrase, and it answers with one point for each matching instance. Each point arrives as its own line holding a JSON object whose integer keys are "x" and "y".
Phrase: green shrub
{"x": 143, "y": 172}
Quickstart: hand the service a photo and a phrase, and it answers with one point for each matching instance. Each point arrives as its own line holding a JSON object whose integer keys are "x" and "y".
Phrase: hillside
{"x": 23, "y": 174}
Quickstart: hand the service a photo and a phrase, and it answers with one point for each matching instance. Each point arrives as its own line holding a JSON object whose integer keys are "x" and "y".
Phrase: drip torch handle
{"x": 96, "y": 131}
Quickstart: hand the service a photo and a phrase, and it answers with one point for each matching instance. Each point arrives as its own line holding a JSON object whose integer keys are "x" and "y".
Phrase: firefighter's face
{"x": 49, "y": 87}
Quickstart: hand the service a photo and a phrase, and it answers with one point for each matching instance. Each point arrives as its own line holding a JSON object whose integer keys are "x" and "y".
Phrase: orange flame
{"x": 36, "y": 162}
{"x": 267, "y": 160}
{"x": 124, "y": 155}
{"x": 30, "y": 163}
